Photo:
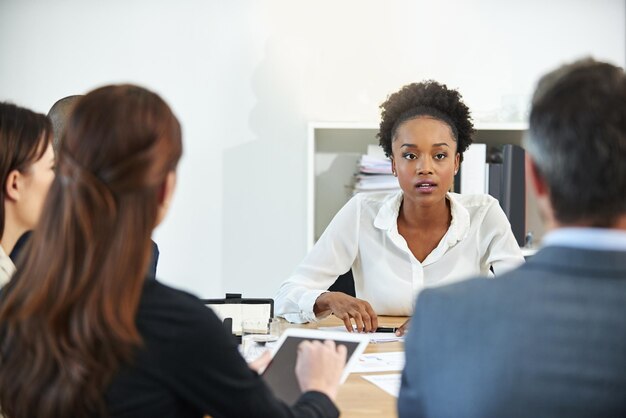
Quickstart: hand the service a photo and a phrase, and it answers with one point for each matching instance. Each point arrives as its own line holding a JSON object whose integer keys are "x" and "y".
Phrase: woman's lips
{"x": 425, "y": 187}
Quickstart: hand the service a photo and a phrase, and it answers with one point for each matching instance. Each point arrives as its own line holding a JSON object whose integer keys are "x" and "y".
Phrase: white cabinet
{"x": 334, "y": 149}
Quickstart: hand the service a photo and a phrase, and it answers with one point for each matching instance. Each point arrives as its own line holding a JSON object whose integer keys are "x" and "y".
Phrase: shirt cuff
{"x": 305, "y": 305}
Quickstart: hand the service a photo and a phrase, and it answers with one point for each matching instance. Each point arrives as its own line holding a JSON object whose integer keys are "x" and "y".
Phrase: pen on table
{"x": 386, "y": 329}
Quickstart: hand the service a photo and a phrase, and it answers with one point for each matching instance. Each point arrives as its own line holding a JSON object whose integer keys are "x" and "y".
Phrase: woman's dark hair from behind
{"x": 68, "y": 316}
{"x": 431, "y": 99}
{"x": 24, "y": 137}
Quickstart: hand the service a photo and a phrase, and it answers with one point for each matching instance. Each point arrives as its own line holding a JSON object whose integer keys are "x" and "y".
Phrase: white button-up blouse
{"x": 7, "y": 268}
{"x": 364, "y": 237}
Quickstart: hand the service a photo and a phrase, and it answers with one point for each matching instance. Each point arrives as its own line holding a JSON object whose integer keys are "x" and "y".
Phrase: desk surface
{"x": 358, "y": 398}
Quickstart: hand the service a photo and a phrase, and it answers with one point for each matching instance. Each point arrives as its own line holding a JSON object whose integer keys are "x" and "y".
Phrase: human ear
{"x": 393, "y": 167}
{"x": 542, "y": 192}
{"x": 535, "y": 178}
{"x": 457, "y": 163}
{"x": 12, "y": 185}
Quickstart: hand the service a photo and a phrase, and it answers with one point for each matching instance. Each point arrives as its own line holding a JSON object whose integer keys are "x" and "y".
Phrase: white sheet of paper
{"x": 375, "y": 337}
{"x": 390, "y": 383}
{"x": 379, "y": 362}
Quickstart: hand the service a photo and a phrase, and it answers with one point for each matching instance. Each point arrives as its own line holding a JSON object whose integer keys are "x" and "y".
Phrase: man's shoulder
{"x": 478, "y": 292}
{"x": 465, "y": 289}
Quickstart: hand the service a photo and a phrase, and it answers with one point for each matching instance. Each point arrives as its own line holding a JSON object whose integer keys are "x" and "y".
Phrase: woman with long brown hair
{"x": 26, "y": 172}
{"x": 84, "y": 333}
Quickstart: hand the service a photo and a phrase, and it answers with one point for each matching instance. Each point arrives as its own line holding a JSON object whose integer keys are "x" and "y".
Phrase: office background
{"x": 246, "y": 76}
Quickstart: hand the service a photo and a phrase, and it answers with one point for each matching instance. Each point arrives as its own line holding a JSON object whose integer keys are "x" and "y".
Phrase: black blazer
{"x": 23, "y": 240}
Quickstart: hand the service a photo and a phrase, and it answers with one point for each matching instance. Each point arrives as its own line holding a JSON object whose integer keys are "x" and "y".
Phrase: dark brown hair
{"x": 24, "y": 137}
{"x": 68, "y": 316}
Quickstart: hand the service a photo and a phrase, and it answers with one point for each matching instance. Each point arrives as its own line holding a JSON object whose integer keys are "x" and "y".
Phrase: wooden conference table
{"x": 358, "y": 398}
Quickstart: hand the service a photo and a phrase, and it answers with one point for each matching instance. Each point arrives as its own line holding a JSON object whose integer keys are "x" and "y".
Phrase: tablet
{"x": 280, "y": 374}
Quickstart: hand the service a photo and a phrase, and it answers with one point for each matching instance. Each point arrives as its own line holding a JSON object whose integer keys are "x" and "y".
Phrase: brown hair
{"x": 24, "y": 137}
{"x": 68, "y": 316}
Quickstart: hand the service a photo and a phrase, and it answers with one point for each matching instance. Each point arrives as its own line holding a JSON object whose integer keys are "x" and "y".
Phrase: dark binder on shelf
{"x": 507, "y": 184}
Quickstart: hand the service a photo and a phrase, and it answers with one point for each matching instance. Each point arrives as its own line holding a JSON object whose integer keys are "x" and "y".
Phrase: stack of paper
{"x": 374, "y": 173}
{"x": 370, "y": 183}
{"x": 374, "y": 165}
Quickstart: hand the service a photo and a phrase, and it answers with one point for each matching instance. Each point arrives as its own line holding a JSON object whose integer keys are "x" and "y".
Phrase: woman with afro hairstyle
{"x": 397, "y": 244}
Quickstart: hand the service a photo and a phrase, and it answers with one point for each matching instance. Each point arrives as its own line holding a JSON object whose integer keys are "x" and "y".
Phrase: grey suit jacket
{"x": 545, "y": 340}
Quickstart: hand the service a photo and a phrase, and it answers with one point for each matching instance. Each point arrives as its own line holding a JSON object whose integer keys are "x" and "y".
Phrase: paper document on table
{"x": 375, "y": 337}
{"x": 390, "y": 383}
{"x": 379, "y": 362}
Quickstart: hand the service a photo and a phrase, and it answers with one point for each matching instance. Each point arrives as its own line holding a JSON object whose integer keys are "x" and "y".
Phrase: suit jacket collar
{"x": 581, "y": 260}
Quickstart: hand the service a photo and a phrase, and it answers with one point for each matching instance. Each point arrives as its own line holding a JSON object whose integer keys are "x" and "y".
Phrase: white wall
{"x": 246, "y": 76}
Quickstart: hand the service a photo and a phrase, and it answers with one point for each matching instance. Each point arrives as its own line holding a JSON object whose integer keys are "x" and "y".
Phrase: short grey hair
{"x": 577, "y": 140}
{"x": 59, "y": 114}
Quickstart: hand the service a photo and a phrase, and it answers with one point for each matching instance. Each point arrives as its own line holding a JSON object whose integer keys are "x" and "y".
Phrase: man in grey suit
{"x": 548, "y": 339}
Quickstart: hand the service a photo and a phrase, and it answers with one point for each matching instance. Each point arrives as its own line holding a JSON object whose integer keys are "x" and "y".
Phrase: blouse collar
{"x": 387, "y": 217}
{"x": 7, "y": 268}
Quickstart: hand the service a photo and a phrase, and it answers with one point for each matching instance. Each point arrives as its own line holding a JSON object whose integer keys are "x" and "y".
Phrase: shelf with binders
{"x": 334, "y": 150}
{"x": 497, "y": 170}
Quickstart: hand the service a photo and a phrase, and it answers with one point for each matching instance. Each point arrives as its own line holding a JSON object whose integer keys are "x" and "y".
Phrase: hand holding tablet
{"x": 313, "y": 365}
{"x": 314, "y": 356}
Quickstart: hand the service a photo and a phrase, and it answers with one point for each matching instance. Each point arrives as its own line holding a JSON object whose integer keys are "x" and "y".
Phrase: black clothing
{"x": 25, "y": 238}
{"x": 190, "y": 367}
{"x": 19, "y": 245}
{"x": 154, "y": 259}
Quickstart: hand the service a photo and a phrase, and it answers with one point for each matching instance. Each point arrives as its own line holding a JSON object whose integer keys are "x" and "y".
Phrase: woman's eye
{"x": 440, "y": 156}
{"x": 409, "y": 156}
